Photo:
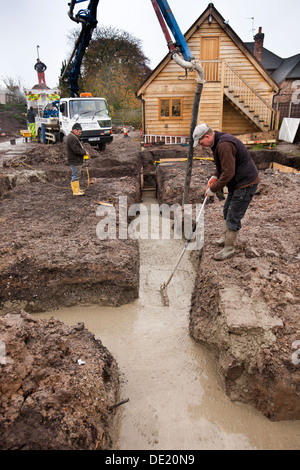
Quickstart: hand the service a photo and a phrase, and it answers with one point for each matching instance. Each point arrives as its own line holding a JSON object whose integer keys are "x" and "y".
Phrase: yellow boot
{"x": 75, "y": 189}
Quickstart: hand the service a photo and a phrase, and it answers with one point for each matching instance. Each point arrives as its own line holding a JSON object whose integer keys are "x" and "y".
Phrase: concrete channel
{"x": 176, "y": 397}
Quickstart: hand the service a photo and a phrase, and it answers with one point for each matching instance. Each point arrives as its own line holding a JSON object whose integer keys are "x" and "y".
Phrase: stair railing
{"x": 243, "y": 92}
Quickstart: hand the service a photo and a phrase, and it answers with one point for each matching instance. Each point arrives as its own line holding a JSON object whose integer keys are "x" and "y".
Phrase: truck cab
{"x": 93, "y": 116}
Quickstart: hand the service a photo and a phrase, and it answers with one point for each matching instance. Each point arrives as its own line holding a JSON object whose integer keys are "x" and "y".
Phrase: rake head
{"x": 164, "y": 295}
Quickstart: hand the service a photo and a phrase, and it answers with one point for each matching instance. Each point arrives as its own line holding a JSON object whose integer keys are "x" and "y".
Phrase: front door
{"x": 209, "y": 51}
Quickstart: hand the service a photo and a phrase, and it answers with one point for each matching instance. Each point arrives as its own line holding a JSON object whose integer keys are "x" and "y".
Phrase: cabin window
{"x": 170, "y": 108}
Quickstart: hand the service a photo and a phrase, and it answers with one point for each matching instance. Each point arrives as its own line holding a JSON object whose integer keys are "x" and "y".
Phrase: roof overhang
{"x": 211, "y": 10}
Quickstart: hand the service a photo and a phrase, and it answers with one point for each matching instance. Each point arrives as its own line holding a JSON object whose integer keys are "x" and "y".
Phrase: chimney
{"x": 258, "y": 44}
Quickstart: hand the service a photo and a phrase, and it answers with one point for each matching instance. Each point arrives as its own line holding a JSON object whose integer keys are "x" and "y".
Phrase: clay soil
{"x": 9, "y": 125}
{"x": 52, "y": 257}
{"x": 244, "y": 309}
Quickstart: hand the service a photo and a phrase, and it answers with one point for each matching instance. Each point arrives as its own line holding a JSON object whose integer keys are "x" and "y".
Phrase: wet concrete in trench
{"x": 176, "y": 397}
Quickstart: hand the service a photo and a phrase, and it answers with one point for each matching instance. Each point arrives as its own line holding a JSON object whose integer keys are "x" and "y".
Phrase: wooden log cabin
{"x": 236, "y": 98}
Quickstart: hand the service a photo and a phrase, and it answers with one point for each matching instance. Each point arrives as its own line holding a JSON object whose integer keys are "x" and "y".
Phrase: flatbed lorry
{"x": 54, "y": 121}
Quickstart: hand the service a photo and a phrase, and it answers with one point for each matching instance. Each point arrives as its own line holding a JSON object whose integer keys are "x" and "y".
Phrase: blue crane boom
{"x": 88, "y": 18}
{"x": 173, "y": 25}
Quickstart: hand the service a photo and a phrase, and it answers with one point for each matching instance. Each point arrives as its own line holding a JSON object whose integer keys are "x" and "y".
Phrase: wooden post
{"x": 222, "y": 93}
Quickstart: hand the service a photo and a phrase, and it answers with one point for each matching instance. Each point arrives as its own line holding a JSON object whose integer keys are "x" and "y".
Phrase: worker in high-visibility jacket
{"x": 31, "y": 122}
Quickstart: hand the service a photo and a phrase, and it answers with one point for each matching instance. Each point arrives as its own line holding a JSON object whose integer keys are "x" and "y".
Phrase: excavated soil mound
{"x": 51, "y": 252}
{"x": 57, "y": 384}
{"x": 11, "y": 122}
{"x": 51, "y": 255}
{"x": 114, "y": 161}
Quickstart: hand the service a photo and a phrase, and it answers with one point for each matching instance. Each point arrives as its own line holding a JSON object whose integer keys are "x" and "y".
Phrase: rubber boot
{"x": 228, "y": 250}
{"x": 221, "y": 240}
{"x": 75, "y": 189}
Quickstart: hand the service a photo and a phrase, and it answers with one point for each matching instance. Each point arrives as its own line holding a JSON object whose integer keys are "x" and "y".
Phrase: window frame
{"x": 170, "y": 99}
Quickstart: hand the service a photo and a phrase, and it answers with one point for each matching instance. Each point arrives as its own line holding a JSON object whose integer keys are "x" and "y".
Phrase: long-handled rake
{"x": 163, "y": 287}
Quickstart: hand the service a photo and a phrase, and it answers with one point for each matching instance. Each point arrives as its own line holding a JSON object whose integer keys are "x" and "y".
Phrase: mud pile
{"x": 51, "y": 252}
{"x": 246, "y": 309}
{"x": 57, "y": 384}
{"x": 11, "y": 121}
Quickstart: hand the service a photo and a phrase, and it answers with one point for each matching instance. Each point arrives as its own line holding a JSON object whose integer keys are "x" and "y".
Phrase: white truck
{"x": 55, "y": 118}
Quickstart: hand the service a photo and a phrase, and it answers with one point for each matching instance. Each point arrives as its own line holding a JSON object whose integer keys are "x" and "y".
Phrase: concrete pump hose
{"x": 192, "y": 65}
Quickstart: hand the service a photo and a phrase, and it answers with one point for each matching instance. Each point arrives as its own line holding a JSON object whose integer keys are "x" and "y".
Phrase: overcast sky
{"x": 26, "y": 24}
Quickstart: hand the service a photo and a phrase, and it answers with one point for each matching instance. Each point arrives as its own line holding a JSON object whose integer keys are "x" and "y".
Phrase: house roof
{"x": 211, "y": 10}
{"x": 270, "y": 60}
{"x": 279, "y": 68}
{"x": 287, "y": 68}
{"x": 295, "y": 72}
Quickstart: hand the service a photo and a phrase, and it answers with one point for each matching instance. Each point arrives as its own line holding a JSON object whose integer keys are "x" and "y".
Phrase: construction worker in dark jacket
{"x": 234, "y": 169}
{"x": 75, "y": 153}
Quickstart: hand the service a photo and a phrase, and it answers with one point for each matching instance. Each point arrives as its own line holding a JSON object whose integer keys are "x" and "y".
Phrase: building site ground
{"x": 245, "y": 310}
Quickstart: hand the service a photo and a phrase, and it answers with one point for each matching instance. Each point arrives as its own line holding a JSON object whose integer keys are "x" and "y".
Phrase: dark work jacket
{"x": 245, "y": 168}
{"x": 30, "y": 117}
{"x": 75, "y": 151}
{"x": 40, "y": 67}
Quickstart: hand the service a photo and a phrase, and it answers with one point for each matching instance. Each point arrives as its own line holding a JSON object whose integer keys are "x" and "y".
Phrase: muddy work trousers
{"x": 236, "y": 206}
{"x": 76, "y": 172}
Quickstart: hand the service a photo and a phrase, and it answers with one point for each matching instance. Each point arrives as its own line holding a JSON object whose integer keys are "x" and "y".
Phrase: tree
{"x": 114, "y": 66}
{"x": 16, "y": 88}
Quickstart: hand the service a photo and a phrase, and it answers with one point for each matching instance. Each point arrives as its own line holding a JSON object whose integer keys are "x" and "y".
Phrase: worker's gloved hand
{"x": 211, "y": 181}
{"x": 209, "y": 193}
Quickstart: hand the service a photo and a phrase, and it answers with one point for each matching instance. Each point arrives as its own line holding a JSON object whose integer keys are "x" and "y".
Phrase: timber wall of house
{"x": 234, "y": 122}
{"x": 212, "y": 110}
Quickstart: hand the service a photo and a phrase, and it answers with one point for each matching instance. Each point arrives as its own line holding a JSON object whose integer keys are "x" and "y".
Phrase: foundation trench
{"x": 176, "y": 397}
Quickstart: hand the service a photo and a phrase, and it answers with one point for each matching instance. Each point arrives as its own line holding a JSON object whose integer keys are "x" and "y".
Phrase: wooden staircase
{"x": 245, "y": 98}
{"x": 241, "y": 94}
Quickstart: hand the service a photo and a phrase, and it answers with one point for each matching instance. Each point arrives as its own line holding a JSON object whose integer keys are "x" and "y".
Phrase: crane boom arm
{"x": 88, "y": 18}
{"x": 173, "y": 25}
{"x": 188, "y": 62}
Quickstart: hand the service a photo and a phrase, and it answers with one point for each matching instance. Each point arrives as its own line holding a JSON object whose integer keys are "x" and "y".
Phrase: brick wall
{"x": 285, "y": 103}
